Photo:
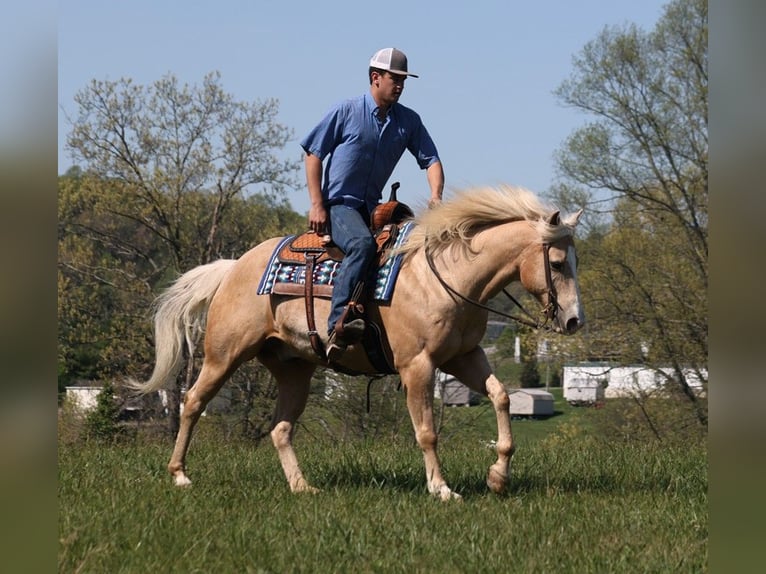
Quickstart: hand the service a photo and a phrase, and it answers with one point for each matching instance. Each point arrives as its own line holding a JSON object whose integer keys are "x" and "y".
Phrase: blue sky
{"x": 487, "y": 68}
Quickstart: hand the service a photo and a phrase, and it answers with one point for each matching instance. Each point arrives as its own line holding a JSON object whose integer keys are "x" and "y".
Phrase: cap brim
{"x": 403, "y": 73}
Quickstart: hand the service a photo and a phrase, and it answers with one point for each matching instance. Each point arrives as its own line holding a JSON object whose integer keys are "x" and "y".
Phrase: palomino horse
{"x": 459, "y": 255}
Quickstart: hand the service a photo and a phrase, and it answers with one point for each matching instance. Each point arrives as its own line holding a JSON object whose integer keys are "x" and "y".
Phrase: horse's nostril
{"x": 572, "y": 325}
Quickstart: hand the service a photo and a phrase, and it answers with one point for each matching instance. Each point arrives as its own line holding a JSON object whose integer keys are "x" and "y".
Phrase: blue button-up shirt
{"x": 364, "y": 151}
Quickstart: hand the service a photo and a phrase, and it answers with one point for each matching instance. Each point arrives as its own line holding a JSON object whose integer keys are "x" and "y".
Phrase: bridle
{"x": 549, "y": 311}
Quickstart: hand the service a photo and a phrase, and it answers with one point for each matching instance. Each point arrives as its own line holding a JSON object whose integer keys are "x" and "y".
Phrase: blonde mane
{"x": 459, "y": 219}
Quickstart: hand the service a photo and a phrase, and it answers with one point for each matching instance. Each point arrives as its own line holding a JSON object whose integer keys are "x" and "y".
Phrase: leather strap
{"x": 316, "y": 341}
{"x": 353, "y": 308}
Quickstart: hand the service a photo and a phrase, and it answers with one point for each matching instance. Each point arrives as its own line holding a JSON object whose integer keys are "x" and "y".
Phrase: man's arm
{"x": 317, "y": 212}
{"x": 435, "y": 175}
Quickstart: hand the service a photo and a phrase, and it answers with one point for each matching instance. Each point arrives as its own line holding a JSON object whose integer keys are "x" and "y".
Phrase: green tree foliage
{"x": 505, "y": 345}
{"x": 530, "y": 374}
{"x": 102, "y": 422}
{"x": 644, "y": 266}
{"x": 107, "y": 268}
{"x": 171, "y": 177}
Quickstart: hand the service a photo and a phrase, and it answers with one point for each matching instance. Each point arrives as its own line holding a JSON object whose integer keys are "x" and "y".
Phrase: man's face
{"x": 389, "y": 86}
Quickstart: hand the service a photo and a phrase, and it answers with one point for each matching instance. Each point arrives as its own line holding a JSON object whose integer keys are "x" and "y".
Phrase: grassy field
{"x": 576, "y": 504}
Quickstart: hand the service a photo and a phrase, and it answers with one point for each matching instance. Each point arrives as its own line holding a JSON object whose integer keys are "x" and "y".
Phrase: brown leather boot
{"x": 337, "y": 344}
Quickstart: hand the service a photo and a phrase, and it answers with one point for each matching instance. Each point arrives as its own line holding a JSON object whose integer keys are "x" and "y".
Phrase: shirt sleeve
{"x": 324, "y": 138}
{"x": 423, "y": 147}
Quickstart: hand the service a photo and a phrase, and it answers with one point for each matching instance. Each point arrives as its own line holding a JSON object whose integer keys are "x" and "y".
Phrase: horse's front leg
{"x": 474, "y": 371}
{"x": 499, "y": 472}
{"x": 418, "y": 385}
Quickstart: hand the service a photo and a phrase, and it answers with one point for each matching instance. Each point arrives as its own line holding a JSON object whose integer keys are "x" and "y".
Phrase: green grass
{"x": 479, "y": 421}
{"x": 576, "y": 504}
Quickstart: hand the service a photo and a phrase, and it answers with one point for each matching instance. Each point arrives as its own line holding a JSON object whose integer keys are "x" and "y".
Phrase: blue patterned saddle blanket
{"x": 289, "y": 278}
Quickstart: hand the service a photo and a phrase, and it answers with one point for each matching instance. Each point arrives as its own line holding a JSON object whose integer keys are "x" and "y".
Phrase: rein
{"x": 550, "y": 310}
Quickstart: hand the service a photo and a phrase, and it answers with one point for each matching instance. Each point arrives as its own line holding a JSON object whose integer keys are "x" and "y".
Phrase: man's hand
{"x": 318, "y": 218}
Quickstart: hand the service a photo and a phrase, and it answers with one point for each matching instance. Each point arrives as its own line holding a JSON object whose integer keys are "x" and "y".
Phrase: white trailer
{"x": 585, "y": 385}
{"x": 452, "y": 392}
{"x": 530, "y": 403}
{"x": 588, "y": 383}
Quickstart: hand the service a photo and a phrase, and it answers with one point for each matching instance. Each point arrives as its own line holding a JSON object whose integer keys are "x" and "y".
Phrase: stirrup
{"x": 351, "y": 332}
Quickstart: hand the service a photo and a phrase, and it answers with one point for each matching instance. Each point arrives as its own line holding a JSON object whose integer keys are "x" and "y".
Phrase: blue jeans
{"x": 351, "y": 233}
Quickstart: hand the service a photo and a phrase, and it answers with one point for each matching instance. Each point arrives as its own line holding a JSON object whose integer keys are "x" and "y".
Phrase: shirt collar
{"x": 373, "y": 106}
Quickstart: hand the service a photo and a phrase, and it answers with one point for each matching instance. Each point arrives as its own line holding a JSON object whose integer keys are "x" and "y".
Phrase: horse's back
{"x": 237, "y": 300}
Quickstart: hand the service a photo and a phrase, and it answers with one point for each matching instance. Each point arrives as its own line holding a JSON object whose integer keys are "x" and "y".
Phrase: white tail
{"x": 179, "y": 320}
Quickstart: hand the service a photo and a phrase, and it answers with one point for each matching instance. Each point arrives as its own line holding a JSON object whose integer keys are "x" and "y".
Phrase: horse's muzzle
{"x": 573, "y": 325}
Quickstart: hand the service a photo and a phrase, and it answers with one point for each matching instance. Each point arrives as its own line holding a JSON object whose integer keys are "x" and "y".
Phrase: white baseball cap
{"x": 391, "y": 60}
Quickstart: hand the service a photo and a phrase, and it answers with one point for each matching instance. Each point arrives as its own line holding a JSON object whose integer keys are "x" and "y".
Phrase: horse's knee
{"x": 427, "y": 439}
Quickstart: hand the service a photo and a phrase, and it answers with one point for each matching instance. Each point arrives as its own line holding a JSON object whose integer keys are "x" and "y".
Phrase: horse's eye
{"x": 557, "y": 266}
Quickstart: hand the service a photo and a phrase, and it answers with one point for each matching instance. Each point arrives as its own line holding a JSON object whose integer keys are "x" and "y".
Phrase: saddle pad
{"x": 290, "y": 275}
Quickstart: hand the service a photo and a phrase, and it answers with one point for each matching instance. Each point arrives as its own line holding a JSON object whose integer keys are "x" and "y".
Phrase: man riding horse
{"x": 362, "y": 139}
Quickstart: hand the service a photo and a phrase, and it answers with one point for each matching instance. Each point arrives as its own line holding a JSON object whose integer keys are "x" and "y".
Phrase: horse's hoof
{"x": 451, "y": 495}
{"x": 445, "y": 493}
{"x": 310, "y": 490}
{"x": 304, "y": 486}
{"x": 181, "y": 480}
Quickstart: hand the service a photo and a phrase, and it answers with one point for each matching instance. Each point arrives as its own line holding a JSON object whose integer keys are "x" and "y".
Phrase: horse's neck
{"x": 496, "y": 261}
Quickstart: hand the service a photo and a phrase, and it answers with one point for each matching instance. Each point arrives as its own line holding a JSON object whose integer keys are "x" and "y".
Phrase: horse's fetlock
{"x": 505, "y": 448}
{"x": 497, "y": 480}
{"x": 280, "y": 434}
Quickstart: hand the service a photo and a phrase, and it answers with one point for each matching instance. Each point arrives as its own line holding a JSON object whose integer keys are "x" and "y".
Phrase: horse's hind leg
{"x": 211, "y": 378}
{"x": 293, "y": 383}
{"x": 474, "y": 371}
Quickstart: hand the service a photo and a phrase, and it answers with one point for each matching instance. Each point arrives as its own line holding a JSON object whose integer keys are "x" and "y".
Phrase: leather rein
{"x": 549, "y": 311}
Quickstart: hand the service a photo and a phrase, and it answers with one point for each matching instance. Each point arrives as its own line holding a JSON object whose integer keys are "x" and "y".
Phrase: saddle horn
{"x": 394, "y": 187}
{"x": 393, "y": 211}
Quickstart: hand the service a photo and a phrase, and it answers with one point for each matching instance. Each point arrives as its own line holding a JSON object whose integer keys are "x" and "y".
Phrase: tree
{"x": 104, "y": 284}
{"x": 646, "y": 272}
{"x": 170, "y": 177}
{"x": 102, "y": 422}
{"x": 172, "y": 147}
{"x": 530, "y": 374}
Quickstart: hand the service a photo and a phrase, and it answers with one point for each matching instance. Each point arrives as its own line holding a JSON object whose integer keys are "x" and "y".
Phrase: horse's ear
{"x": 572, "y": 219}
{"x": 554, "y": 219}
